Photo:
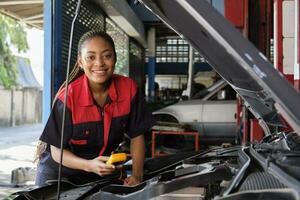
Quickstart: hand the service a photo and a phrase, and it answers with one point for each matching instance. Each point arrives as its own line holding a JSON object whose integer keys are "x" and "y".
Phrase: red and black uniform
{"x": 90, "y": 130}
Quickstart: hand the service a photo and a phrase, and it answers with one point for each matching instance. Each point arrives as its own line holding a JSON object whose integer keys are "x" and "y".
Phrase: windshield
{"x": 202, "y": 93}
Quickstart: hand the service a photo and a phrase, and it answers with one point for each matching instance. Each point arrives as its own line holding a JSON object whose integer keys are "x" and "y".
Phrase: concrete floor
{"x": 17, "y": 148}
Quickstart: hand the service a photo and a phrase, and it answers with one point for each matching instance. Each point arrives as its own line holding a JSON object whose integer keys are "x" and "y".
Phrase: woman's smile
{"x": 100, "y": 72}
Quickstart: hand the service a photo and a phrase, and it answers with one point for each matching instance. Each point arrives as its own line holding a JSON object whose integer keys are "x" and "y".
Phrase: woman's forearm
{"x": 70, "y": 160}
{"x": 137, "y": 149}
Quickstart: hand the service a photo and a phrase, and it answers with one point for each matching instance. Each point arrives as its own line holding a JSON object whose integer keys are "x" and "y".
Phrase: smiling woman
{"x": 97, "y": 59}
{"x": 101, "y": 108}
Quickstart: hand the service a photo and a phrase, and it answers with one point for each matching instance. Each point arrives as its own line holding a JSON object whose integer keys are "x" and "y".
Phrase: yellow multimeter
{"x": 116, "y": 158}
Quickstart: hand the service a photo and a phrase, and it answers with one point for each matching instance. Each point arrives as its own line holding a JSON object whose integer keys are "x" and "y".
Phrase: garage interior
{"x": 167, "y": 68}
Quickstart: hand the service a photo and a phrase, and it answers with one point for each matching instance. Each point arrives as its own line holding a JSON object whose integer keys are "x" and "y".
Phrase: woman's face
{"x": 98, "y": 60}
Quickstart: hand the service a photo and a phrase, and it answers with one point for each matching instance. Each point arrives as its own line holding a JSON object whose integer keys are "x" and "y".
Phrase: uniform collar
{"x": 112, "y": 90}
{"x": 86, "y": 94}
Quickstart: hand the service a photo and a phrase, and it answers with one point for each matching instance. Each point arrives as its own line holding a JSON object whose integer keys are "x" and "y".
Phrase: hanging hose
{"x": 65, "y": 97}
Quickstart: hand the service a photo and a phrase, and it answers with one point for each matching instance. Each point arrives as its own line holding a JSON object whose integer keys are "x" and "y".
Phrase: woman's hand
{"x": 137, "y": 149}
{"x": 132, "y": 181}
{"x": 98, "y": 166}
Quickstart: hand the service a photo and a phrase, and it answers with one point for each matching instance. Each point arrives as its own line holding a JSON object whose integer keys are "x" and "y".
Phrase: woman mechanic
{"x": 101, "y": 107}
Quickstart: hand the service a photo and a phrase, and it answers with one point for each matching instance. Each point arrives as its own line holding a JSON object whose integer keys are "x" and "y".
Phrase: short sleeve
{"x": 52, "y": 131}
{"x": 140, "y": 117}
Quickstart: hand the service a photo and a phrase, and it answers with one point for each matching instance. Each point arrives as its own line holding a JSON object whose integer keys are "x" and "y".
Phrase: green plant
{"x": 12, "y": 35}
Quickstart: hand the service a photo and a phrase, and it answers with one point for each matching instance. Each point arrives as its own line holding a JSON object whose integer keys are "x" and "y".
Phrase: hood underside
{"x": 247, "y": 70}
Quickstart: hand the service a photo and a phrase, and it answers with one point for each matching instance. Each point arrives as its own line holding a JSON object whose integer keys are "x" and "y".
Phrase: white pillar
{"x": 191, "y": 72}
{"x": 288, "y": 30}
{"x": 151, "y": 63}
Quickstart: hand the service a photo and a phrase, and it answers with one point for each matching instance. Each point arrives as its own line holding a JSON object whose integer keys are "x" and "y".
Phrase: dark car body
{"x": 268, "y": 169}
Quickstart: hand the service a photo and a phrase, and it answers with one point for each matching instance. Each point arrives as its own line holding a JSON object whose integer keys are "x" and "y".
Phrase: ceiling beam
{"x": 20, "y": 19}
{"x": 33, "y": 21}
{"x": 10, "y": 14}
{"x": 33, "y": 17}
{"x": 122, "y": 14}
{"x": 11, "y": 3}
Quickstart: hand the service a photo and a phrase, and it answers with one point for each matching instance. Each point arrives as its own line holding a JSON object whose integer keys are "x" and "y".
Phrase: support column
{"x": 151, "y": 63}
{"x": 278, "y": 35}
{"x": 48, "y": 6}
{"x": 191, "y": 72}
{"x": 284, "y": 38}
{"x": 297, "y": 47}
{"x": 12, "y": 108}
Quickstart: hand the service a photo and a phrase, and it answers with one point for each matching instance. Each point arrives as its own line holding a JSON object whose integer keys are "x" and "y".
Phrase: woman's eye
{"x": 107, "y": 56}
{"x": 89, "y": 58}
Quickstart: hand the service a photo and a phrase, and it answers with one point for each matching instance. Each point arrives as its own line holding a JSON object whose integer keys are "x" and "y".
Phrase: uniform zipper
{"x": 102, "y": 113}
{"x": 101, "y": 110}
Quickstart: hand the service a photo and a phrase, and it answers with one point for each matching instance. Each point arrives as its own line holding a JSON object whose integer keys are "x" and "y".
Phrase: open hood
{"x": 247, "y": 70}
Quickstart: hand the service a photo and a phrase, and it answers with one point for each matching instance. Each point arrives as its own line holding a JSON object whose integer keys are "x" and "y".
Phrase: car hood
{"x": 247, "y": 70}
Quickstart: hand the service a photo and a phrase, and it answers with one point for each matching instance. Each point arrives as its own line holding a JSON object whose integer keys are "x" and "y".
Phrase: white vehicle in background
{"x": 212, "y": 112}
